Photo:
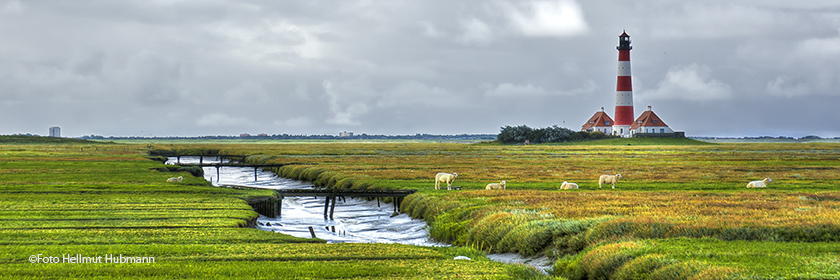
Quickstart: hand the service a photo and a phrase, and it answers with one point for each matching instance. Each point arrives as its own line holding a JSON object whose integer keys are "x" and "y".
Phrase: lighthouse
{"x": 647, "y": 125}
{"x": 624, "y": 89}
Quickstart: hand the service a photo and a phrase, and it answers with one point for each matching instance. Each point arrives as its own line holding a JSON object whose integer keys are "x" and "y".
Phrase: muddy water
{"x": 355, "y": 220}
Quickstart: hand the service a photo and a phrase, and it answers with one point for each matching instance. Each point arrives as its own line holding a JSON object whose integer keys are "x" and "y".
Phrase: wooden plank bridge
{"x": 218, "y": 157}
{"x": 272, "y": 206}
{"x": 219, "y": 165}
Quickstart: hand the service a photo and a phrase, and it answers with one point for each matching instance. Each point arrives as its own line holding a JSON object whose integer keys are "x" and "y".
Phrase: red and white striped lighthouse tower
{"x": 624, "y": 89}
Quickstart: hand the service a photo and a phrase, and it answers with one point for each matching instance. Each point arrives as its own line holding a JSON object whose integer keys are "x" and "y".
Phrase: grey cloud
{"x": 405, "y": 67}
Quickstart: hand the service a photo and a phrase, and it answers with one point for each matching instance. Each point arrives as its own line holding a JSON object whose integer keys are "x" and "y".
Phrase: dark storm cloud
{"x": 169, "y": 67}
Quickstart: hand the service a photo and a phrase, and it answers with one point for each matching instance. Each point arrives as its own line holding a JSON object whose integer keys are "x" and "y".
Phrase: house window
{"x": 654, "y": 121}
{"x": 661, "y": 130}
{"x": 607, "y": 122}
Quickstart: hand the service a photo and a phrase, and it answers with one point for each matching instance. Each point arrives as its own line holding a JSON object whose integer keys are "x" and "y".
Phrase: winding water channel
{"x": 355, "y": 220}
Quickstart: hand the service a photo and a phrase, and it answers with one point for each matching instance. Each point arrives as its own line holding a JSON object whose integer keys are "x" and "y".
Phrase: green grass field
{"x": 681, "y": 210}
{"x": 672, "y": 189}
{"x": 97, "y": 201}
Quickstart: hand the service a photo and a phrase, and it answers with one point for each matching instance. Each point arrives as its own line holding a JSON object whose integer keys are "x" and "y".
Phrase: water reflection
{"x": 355, "y": 220}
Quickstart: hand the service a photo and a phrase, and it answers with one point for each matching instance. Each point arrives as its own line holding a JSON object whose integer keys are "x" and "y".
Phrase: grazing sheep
{"x": 445, "y": 178}
{"x": 608, "y": 179}
{"x": 174, "y": 179}
{"x": 759, "y": 184}
{"x": 496, "y": 186}
{"x": 568, "y": 186}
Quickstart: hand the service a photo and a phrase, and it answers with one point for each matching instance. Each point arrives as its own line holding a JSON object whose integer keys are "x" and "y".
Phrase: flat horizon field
{"x": 671, "y": 189}
{"x": 680, "y": 211}
{"x": 71, "y": 209}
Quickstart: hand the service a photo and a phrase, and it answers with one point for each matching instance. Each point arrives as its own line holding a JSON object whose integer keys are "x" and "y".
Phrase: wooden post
{"x": 279, "y": 206}
{"x": 179, "y": 159}
{"x": 332, "y": 208}
{"x": 272, "y": 208}
{"x": 255, "y": 173}
{"x": 201, "y": 159}
{"x": 326, "y": 206}
{"x": 217, "y": 173}
{"x": 265, "y": 208}
{"x": 312, "y": 232}
{"x": 377, "y": 202}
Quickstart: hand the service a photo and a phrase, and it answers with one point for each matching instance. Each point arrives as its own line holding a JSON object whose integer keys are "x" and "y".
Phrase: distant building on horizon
{"x": 345, "y": 134}
{"x": 55, "y": 131}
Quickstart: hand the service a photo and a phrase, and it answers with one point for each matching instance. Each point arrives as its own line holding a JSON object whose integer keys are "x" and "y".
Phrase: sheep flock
{"x": 610, "y": 179}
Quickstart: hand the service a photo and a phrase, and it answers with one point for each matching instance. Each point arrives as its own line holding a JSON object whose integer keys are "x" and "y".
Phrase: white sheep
{"x": 759, "y": 184}
{"x": 496, "y": 186}
{"x": 608, "y": 179}
{"x": 445, "y": 178}
{"x": 175, "y": 179}
{"x": 568, "y": 186}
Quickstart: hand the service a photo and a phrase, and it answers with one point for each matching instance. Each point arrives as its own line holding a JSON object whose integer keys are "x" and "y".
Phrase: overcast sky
{"x": 214, "y": 67}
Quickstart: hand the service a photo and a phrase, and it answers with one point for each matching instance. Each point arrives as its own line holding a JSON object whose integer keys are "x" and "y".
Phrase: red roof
{"x": 600, "y": 119}
{"x": 624, "y": 34}
{"x": 648, "y": 119}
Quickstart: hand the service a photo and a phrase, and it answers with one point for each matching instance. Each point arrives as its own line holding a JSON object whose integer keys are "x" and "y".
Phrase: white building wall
{"x": 622, "y": 130}
{"x": 654, "y": 129}
{"x": 606, "y": 130}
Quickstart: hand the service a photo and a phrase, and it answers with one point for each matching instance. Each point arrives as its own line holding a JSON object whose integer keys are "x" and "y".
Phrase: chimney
{"x": 649, "y": 108}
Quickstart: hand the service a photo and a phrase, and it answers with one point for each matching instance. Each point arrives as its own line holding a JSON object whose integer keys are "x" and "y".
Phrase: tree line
{"x": 363, "y": 136}
{"x": 551, "y": 134}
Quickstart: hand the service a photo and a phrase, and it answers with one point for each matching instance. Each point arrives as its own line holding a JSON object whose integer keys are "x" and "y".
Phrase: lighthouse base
{"x": 622, "y": 130}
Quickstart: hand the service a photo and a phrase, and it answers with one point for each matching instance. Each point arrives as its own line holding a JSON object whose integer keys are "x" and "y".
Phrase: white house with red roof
{"x": 649, "y": 122}
{"x": 599, "y": 122}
